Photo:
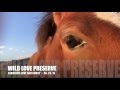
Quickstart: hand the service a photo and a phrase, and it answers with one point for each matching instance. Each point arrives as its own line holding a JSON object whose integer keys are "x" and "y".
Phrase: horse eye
{"x": 74, "y": 42}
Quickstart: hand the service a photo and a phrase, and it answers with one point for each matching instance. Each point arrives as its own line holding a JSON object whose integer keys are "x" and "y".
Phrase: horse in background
{"x": 78, "y": 36}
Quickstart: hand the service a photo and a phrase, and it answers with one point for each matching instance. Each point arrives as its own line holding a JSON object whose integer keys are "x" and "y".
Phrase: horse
{"x": 78, "y": 36}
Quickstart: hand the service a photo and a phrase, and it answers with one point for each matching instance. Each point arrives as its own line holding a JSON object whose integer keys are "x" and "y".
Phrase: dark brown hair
{"x": 46, "y": 28}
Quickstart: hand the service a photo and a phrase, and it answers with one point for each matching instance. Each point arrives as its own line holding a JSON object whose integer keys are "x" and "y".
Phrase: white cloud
{"x": 1, "y": 52}
{"x": 16, "y": 49}
{"x": 20, "y": 57}
{"x": 10, "y": 48}
{"x": 23, "y": 51}
{"x": 2, "y": 47}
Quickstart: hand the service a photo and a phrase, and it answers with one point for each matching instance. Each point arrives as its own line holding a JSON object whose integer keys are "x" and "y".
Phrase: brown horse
{"x": 78, "y": 35}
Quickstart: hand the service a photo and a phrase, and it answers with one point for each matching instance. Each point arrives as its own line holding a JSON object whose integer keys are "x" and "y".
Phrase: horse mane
{"x": 46, "y": 29}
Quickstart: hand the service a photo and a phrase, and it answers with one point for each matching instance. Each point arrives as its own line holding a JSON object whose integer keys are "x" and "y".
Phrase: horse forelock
{"x": 46, "y": 29}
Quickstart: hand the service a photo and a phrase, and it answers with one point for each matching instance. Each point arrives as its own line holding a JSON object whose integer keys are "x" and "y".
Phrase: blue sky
{"x": 19, "y": 35}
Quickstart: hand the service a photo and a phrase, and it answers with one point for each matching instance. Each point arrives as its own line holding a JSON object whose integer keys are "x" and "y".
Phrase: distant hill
{"x": 15, "y": 62}
{"x": 4, "y": 64}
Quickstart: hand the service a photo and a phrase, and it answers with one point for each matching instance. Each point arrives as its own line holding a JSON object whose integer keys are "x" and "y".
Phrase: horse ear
{"x": 57, "y": 16}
